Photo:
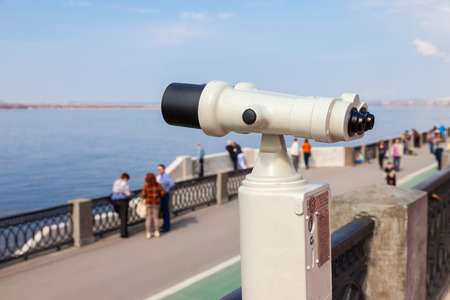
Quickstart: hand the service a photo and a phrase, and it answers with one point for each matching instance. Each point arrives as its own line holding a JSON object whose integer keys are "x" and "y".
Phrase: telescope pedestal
{"x": 284, "y": 229}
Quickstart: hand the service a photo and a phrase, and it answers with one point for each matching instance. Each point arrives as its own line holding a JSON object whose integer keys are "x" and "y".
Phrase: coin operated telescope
{"x": 284, "y": 219}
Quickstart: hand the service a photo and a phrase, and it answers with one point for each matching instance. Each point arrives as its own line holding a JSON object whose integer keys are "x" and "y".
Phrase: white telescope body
{"x": 284, "y": 220}
{"x": 218, "y": 108}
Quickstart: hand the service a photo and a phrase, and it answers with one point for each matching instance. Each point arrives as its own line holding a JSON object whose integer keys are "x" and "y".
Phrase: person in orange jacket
{"x": 306, "y": 147}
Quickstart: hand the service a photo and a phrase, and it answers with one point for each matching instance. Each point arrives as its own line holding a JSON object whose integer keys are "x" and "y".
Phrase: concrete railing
{"x": 184, "y": 167}
{"x": 409, "y": 252}
{"x": 397, "y": 252}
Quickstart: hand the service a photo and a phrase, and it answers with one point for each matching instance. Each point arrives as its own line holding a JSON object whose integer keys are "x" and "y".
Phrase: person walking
{"x": 389, "y": 174}
{"x": 359, "y": 158}
{"x": 152, "y": 192}
{"x": 406, "y": 139}
{"x": 200, "y": 156}
{"x": 167, "y": 183}
{"x": 438, "y": 154}
{"x": 443, "y": 132}
{"x": 397, "y": 152}
{"x": 240, "y": 156}
{"x": 295, "y": 153}
{"x": 381, "y": 153}
{"x": 416, "y": 137}
{"x": 120, "y": 197}
{"x": 306, "y": 147}
{"x": 431, "y": 137}
{"x": 233, "y": 154}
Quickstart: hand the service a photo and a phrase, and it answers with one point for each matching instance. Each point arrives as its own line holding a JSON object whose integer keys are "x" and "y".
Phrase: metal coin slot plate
{"x": 318, "y": 210}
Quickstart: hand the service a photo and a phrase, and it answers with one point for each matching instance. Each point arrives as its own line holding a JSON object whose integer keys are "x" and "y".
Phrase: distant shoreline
{"x": 445, "y": 102}
{"x": 30, "y": 105}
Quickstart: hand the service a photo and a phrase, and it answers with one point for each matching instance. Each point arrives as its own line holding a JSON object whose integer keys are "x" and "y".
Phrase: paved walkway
{"x": 136, "y": 268}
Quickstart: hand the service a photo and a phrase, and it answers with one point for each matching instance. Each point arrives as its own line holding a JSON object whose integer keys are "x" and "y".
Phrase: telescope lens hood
{"x": 179, "y": 105}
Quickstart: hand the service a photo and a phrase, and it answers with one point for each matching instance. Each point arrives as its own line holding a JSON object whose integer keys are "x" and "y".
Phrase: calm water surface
{"x": 50, "y": 156}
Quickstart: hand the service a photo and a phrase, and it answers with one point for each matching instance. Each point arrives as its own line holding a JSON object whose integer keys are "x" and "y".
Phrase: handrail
{"x": 105, "y": 219}
{"x": 190, "y": 194}
{"x": 351, "y": 234}
{"x": 349, "y": 265}
{"x": 438, "y": 240}
{"x": 235, "y": 179}
{"x": 24, "y": 234}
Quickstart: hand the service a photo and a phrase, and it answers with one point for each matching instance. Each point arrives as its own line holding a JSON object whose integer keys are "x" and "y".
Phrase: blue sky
{"x": 129, "y": 51}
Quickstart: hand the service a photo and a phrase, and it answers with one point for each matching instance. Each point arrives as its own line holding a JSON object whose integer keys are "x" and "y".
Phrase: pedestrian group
{"x": 436, "y": 137}
{"x": 156, "y": 194}
{"x": 156, "y": 191}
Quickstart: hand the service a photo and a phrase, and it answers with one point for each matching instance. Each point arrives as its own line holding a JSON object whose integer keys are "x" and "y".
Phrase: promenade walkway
{"x": 137, "y": 268}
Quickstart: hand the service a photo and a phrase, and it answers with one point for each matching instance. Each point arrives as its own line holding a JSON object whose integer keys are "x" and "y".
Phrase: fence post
{"x": 398, "y": 250}
{"x": 349, "y": 159}
{"x": 82, "y": 222}
{"x": 221, "y": 188}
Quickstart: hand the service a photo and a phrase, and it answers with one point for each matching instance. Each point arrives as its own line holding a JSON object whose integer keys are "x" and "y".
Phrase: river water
{"x": 50, "y": 156}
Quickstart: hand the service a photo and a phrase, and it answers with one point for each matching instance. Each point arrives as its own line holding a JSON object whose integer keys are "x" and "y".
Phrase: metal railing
{"x": 438, "y": 247}
{"x": 234, "y": 181}
{"x": 25, "y": 234}
{"x": 371, "y": 151}
{"x": 349, "y": 266}
{"x": 105, "y": 219}
{"x": 30, "y": 233}
{"x": 349, "y": 260}
{"x": 185, "y": 195}
{"x": 190, "y": 194}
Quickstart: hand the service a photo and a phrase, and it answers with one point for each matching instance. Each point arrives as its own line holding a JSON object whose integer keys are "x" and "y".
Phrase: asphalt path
{"x": 137, "y": 268}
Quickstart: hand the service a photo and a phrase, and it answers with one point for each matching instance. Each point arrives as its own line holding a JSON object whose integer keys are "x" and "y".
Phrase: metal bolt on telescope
{"x": 284, "y": 220}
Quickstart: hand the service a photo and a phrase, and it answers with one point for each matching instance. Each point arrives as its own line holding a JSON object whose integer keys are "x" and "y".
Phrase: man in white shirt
{"x": 295, "y": 153}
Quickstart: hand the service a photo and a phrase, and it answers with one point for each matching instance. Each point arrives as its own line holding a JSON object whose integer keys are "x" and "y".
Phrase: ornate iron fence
{"x": 30, "y": 233}
{"x": 234, "y": 181}
{"x": 438, "y": 248}
{"x": 349, "y": 265}
{"x": 105, "y": 219}
{"x": 190, "y": 194}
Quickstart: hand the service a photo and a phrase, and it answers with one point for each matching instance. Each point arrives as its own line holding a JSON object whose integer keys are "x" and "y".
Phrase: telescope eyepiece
{"x": 360, "y": 121}
{"x": 370, "y": 119}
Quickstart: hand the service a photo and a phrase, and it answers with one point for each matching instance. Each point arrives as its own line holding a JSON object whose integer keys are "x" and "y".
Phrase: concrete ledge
{"x": 445, "y": 163}
{"x": 184, "y": 167}
{"x": 397, "y": 252}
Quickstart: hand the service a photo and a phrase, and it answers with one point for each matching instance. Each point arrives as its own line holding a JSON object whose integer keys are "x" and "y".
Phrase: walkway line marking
{"x": 412, "y": 175}
{"x": 178, "y": 287}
